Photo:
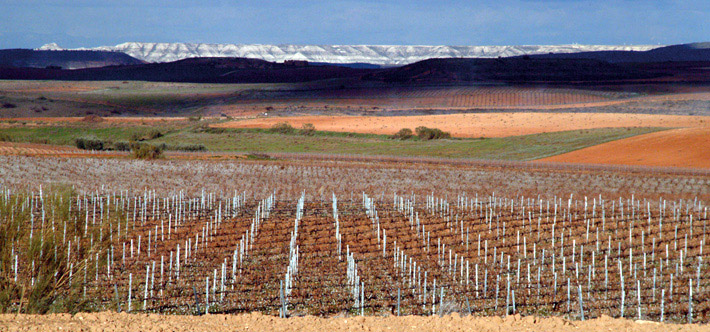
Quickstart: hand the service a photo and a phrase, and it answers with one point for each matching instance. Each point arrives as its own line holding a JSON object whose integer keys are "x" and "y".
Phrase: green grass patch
{"x": 66, "y": 135}
{"x": 526, "y": 147}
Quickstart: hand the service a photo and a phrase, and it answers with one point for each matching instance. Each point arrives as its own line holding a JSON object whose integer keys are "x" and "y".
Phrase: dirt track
{"x": 685, "y": 147}
{"x": 109, "y": 321}
{"x": 479, "y": 125}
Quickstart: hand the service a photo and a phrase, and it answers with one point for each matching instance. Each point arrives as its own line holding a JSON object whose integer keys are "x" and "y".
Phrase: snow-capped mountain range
{"x": 384, "y": 55}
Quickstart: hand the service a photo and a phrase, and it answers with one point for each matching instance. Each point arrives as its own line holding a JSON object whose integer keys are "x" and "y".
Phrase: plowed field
{"x": 685, "y": 147}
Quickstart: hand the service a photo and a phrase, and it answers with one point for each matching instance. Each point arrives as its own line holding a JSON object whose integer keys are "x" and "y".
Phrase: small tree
{"x": 402, "y": 134}
{"x": 282, "y": 128}
{"x": 308, "y": 129}
{"x": 122, "y": 146}
{"x": 426, "y": 134}
{"x": 146, "y": 151}
{"x": 89, "y": 143}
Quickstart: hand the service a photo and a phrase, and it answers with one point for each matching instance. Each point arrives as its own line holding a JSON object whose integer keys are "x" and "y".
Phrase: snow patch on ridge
{"x": 385, "y": 55}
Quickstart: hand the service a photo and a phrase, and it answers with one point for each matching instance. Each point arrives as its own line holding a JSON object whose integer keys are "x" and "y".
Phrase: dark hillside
{"x": 64, "y": 59}
{"x": 195, "y": 70}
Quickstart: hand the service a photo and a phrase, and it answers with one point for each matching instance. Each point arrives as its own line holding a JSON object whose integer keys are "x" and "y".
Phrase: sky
{"x": 87, "y": 23}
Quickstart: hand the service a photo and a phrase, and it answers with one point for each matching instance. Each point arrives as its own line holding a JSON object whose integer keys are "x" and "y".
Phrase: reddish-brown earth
{"x": 684, "y": 147}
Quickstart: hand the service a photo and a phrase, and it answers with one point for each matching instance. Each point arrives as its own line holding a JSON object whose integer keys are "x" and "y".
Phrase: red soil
{"x": 685, "y": 147}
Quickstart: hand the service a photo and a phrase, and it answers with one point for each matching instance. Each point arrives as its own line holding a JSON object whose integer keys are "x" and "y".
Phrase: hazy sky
{"x": 30, "y": 23}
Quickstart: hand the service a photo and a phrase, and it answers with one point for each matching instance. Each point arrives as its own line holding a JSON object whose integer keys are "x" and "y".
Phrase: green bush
{"x": 308, "y": 129}
{"x": 188, "y": 147}
{"x": 182, "y": 147}
{"x": 426, "y": 134}
{"x": 146, "y": 151}
{"x": 402, "y": 134}
{"x": 282, "y": 128}
{"x": 205, "y": 128}
{"x": 89, "y": 143}
{"x": 5, "y": 138}
{"x": 122, "y": 146}
{"x": 258, "y": 156}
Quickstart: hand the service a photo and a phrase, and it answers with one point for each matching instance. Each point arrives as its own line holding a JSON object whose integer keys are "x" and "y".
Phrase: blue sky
{"x": 30, "y": 23}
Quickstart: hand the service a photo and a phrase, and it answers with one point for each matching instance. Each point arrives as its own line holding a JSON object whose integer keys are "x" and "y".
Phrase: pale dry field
{"x": 475, "y": 125}
{"x": 111, "y": 321}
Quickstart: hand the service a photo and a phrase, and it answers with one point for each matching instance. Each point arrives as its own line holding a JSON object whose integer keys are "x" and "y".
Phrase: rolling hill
{"x": 64, "y": 59}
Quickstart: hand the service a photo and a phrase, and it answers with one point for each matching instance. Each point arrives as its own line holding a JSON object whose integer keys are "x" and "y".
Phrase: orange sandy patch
{"x": 685, "y": 147}
{"x": 478, "y": 125}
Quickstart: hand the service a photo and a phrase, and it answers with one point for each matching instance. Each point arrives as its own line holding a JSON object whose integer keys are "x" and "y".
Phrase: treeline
{"x": 108, "y": 145}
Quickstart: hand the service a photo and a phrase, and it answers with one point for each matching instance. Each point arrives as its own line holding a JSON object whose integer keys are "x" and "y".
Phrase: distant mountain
{"x": 383, "y": 55}
{"x": 196, "y": 70}
{"x": 64, "y": 59}
{"x": 638, "y": 67}
{"x": 510, "y": 70}
{"x": 678, "y": 53}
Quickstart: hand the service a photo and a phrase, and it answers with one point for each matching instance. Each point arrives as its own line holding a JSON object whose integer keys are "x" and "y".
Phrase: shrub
{"x": 308, "y": 129}
{"x": 122, "y": 146}
{"x": 5, "y": 138}
{"x": 89, "y": 143}
{"x": 195, "y": 118}
{"x": 213, "y": 130}
{"x": 258, "y": 156}
{"x": 52, "y": 290}
{"x": 425, "y": 133}
{"x": 404, "y": 133}
{"x": 282, "y": 128}
{"x": 146, "y": 151}
{"x": 191, "y": 147}
{"x": 205, "y": 128}
{"x": 184, "y": 147}
{"x": 8, "y": 105}
{"x": 154, "y": 133}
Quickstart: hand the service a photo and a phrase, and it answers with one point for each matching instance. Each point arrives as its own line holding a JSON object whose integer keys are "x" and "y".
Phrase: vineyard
{"x": 458, "y": 97}
{"x": 362, "y": 253}
{"x": 511, "y": 97}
